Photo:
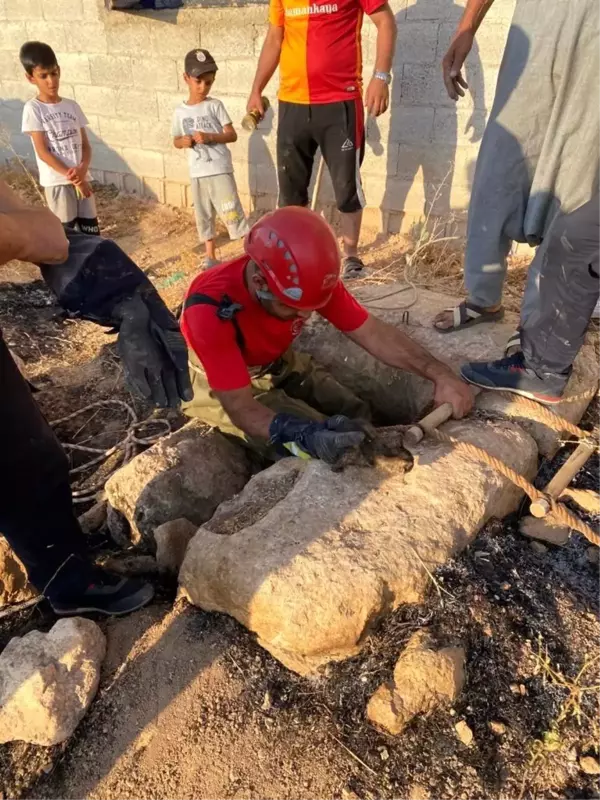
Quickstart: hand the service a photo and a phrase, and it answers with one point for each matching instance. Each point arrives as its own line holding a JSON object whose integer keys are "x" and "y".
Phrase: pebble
{"x": 589, "y": 765}
{"x": 498, "y": 728}
{"x": 384, "y": 753}
{"x": 348, "y": 794}
{"x": 464, "y": 733}
{"x": 266, "y": 703}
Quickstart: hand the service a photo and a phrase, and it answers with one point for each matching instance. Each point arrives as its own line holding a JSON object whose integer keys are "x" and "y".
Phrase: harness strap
{"x": 226, "y": 310}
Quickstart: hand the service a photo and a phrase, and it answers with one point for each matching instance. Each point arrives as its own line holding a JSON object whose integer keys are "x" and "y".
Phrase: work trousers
{"x": 294, "y": 384}
{"x": 36, "y": 510}
{"x": 553, "y": 331}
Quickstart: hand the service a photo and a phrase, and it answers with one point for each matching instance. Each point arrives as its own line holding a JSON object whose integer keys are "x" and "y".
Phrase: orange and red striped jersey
{"x": 321, "y": 55}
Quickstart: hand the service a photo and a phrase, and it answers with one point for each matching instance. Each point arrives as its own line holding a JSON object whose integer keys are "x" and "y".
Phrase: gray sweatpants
{"x": 554, "y": 328}
{"x": 218, "y": 193}
{"x": 71, "y": 209}
{"x": 540, "y": 151}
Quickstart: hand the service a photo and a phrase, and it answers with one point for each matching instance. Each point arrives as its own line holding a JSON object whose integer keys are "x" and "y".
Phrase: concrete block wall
{"x": 125, "y": 69}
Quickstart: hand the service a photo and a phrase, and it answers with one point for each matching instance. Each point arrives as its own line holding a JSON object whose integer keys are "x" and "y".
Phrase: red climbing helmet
{"x": 298, "y": 254}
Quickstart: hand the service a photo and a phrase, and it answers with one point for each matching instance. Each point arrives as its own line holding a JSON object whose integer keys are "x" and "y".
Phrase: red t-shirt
{"x": 266, "y": 338}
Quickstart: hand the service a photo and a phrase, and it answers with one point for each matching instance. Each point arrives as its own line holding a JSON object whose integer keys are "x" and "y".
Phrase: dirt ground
{"x": 190, "y": 706}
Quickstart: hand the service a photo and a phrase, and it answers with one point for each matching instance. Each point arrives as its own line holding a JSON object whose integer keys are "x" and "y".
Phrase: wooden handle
{"x": 317, "y": 188}
{"x": 438, "y": 416}
{"x": 564, "y": 476}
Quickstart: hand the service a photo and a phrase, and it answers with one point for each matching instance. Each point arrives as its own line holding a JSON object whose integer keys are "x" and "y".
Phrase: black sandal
{"x": 353, "y": 267}
{"x": 468, "y": 314}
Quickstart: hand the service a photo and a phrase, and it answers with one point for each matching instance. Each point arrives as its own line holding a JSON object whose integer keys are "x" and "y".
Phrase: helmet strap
{"x": 264, "y": 294}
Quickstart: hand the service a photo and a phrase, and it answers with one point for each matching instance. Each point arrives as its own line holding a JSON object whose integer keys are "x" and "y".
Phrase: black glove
{"x": 99, "y": 282}
{"x": 328, "y": 440}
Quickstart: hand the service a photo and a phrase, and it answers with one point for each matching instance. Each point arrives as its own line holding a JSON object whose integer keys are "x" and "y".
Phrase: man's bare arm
{"x": 388, "y": 344}
{"x": 377, "y": 97}
{"x": 267, "y": 64}
{"x": 41, "y": 148}
{"x": 461, "y": 45}
{"x": 245, "y": 412}
{"x": 29, "y": 234}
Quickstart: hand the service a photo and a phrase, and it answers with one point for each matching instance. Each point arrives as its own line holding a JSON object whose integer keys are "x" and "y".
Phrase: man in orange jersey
{"x": 318, "y": 50}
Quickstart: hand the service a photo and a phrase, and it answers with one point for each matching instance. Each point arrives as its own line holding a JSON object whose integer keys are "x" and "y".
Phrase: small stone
{"x": 522, "y": 689}
{"x": 48, "y": 680}
{"x": 418, "y": 792}
{"x": 546, "y": 529}
{"x": 592, "y": 554}
{"x": 464, "y": 733}
{"x": 487, "y": 630}
{"x": 14, "y": 586}
{"x": 505, "y": 587}
{"x": 538, "y": 547}
{"x": 172, "y": 539}
{"x": 498, "y": 728}
{"x": 589, "y": 765}
{"x": 514, "y": 687}
{"x": 384, "y": 753}
{"x": 348, "y": 794}
{"x": 424, "y": 679}
{"x": 266, "y": 703}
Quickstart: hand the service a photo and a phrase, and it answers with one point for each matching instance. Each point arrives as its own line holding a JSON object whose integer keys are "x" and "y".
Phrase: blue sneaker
{"x": 510, "y": 374}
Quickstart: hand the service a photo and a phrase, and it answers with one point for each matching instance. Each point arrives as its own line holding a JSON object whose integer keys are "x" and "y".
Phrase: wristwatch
{"x": 383, "y": 76}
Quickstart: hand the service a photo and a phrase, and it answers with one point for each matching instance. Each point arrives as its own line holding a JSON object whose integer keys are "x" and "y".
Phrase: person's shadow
{"x": 425, "y": 125}
{"x": 262, "y": 175}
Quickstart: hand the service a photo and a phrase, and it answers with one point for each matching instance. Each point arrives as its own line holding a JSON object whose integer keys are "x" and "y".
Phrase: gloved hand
{"x": 153, "y": 351}
{"x": 328, "y": 440}
{"x": 99, "y": 282}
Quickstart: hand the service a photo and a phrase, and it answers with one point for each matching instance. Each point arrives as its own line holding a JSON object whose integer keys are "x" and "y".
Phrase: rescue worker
{"x": 94, "y": 279}
{"x": 240, "y": 320}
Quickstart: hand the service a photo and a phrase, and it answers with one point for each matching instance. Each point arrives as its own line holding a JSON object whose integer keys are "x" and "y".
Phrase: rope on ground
{"x": 553, "y": 420}
{"x": 126, "y": 447}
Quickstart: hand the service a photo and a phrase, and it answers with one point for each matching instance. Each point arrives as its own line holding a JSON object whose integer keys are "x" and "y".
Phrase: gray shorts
{"x": 218, "y": 194}
{"x": 71, "y": 209}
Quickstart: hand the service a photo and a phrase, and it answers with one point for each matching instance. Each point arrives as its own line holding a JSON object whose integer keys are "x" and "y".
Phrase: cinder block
{"x": 94, "y": 10}
{"x": 156, "y": 136}
{"x": 174, "y": 194}
{"x": 18, "y": 91}
{"x": 74, "y": 67}
{"x": 53, "y": 33}
{"x": 417, "y": 42}
{"x": 111, "y": 70}
{"x": 136, "y": 103}
{"x": 488, "y": 46}
{"x": 458, "y": 126}
{"x": 236, "y": 108}
{"x": 23, "y": 9}
{"x": 67, "y": 90}
{"x": 175, "y": 40}
{"x": 63, "y": 10}
{"x": 238, "y": 74}
{"x": 381, "y": 162}
{"x": 10, "y": 66}
{"x": 88, "y": 38}
{"x": 134, "y": 37}
{"x": 189, "y": 200}
{"x": 410, "y": 124}
{"x": 12, "y": 35}
{"x": 2, "y": 10}
{"x": 96, "y": 99}
{"x": 132, "y": 184}
{"x": 114, "y": 179}
{"x": 229, "y": 39}
{"x": 145, "y": 163}
{"x": 176, "y": 166}
{"x": 154, "y": 189}
{"x": 107, "y": 158}
{"x": 120, "y": 132}
{"x": 166, "y": 103}
{"x": 155, "y": 74}
{"x": 423, "y": 86}
{"x": 435, "y": 9}
{"x": 93, "y": 126}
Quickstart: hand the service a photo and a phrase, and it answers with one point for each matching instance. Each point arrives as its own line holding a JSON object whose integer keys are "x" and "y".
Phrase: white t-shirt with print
{"x": 209, "y": 116}
{"x": 61, "y": 123}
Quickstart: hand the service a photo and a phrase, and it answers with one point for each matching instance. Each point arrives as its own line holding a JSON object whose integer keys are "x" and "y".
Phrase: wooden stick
{"x": 318, "y": 181}
{"x": 433, "y": 420}
{"x": 564, "y": 476}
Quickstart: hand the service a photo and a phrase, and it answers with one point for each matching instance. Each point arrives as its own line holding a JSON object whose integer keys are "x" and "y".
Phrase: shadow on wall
{"x": 107, "y": 166}
{"x": 262, "y": 174}
{"x": 410, "y": 152}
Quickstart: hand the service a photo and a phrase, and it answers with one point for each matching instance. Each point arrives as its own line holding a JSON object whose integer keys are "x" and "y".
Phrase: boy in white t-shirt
{"x": 62, "y": 149}
{"x": 202, "y": 125}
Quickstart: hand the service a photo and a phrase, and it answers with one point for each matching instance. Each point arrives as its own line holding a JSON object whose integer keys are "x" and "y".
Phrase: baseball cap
{"x": 198, "y": 62}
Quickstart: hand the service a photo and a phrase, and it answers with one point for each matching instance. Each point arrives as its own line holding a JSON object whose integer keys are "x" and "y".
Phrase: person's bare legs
{"x": 445, "y": 319}
{"x": 209, "y": 246}
{"x": 350, "y": 225}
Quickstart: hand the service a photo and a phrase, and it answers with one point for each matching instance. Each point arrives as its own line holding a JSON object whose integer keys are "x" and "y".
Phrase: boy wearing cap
{"x": 203, "y": 127}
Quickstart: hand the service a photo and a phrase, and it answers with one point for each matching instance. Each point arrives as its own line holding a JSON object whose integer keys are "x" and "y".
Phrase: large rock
{"x": 48, "y": 680}
{"x": 186, "y": 474}
{"x": 424, "y": 679}
{"x": 172, "y": 539}
{"x": 14, "y": 586}
{"x": 310, "y": 559}
{"x": 400, "y": 397}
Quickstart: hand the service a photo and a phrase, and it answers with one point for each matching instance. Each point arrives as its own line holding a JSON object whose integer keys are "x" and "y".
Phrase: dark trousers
{"x": 568, "y": 291}
{"x": 36, "y": 512}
